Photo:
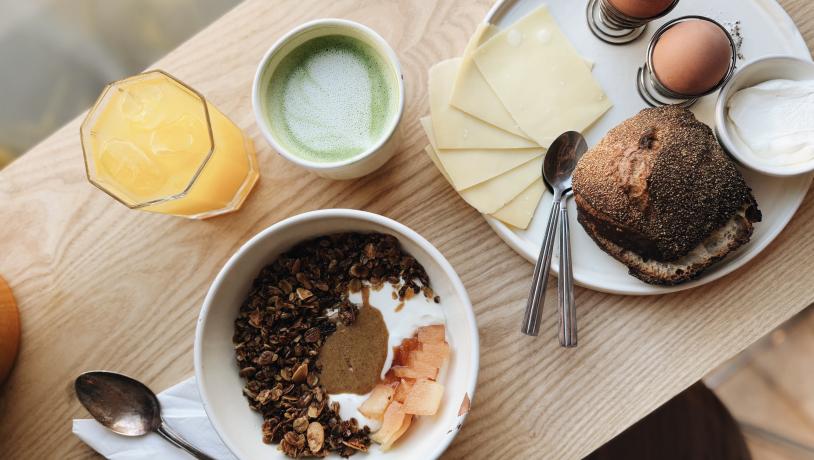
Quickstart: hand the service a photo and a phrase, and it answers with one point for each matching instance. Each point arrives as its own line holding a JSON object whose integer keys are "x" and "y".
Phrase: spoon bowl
{"x": 561, "y": 160}
{"x": 127, "y": 407}
{"x": 120, "y": 403}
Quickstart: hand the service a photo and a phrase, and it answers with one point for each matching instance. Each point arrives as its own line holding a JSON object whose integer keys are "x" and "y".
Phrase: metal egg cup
{"x": 654, "y": 93}
{"x": 615, "y": 27}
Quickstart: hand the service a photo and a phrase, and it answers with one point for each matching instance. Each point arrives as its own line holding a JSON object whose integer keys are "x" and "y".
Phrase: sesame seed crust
{"x": 659, "y": 184}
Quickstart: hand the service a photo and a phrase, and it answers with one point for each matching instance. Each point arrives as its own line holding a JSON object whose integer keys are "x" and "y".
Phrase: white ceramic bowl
{"x": 216, "y": 369}
{"x": 756, "y": 72}
{"x": 363, "y": 163}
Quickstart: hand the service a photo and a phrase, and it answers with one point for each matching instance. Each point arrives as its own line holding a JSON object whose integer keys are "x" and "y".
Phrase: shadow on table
{"x": 693, "y": 425}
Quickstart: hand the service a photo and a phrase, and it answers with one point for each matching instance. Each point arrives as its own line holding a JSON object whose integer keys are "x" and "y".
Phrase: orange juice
{"x": 155, "y": 144}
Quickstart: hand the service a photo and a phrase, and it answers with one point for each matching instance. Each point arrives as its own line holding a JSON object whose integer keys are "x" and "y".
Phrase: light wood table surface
{"x": 103, "y": 287}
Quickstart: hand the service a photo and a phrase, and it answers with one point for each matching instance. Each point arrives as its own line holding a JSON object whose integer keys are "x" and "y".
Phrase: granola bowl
{"x": 217, "y": 371}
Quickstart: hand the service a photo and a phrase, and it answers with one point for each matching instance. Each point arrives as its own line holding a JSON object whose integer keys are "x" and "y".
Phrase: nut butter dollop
{"x": 352, "y": 358}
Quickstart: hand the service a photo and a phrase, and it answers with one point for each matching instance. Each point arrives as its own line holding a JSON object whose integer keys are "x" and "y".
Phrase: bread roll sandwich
{"x": 659, "y": 194}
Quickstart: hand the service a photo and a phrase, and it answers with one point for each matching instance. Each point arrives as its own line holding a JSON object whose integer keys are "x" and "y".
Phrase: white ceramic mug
{"x": 362, "y": 163}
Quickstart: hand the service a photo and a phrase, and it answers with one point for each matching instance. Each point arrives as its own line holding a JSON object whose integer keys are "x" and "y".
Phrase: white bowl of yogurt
{"x": 216, "y": 369}
{"x": 764, "y": 116}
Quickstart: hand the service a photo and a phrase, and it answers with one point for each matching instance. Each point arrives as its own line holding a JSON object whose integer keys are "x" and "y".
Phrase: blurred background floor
{"x": 769, "y": 388}
{"x": 57, "y": 55}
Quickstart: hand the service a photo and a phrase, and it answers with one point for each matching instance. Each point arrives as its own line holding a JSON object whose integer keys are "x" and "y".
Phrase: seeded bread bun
{"x": 659, "y": 194}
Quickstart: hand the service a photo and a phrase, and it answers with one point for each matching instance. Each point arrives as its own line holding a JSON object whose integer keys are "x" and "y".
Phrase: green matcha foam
{"x": 331, "y": 98}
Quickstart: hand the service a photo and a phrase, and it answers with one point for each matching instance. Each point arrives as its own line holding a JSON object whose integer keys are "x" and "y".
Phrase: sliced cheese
{"x": 468, "y": 167}
{"x": 488, "y": 197}
{"x": 455, "y": 129}
{"x": 519, "y": 212}
{"x": 540, "y": 79}
{"x": 431, "y": 153}
{"x": 473, "y": 95}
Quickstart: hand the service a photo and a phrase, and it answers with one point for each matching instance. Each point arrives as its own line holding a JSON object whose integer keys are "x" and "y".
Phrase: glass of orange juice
{"x": 155, "y": 144}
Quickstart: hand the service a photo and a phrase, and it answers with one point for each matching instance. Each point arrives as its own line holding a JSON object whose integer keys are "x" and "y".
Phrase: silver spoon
{"x": 127, "y": 407}
{"x": 566, "y": 294}
{"x": 558, "y": 166}
{"x": 565, "y": 282}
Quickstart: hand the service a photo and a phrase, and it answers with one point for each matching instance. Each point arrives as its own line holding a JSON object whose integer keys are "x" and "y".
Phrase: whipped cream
{"x": 776, "y": 120}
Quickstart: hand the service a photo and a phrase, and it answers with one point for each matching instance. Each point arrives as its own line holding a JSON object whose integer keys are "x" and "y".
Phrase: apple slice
{"x": 376, "y": 404}
{"x": 440, "y": 349}
{"x": 408, "y": 419}
{"x": 402, "y": 390}
{"x": 402, "y": 352}
{"x": 424, "y": 398}
{"x": 418, "y": 370}
{"x": 391, "y": 423}
{"x": 431, "y": 334}
{"x": 435, "y": 360}
{"x": 404, "y": 372}
{"x": 424, "y": 370}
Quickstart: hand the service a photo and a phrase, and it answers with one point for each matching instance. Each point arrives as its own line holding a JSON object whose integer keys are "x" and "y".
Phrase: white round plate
{"x": 221, "y": 388}
{"x": 766, "y": 30}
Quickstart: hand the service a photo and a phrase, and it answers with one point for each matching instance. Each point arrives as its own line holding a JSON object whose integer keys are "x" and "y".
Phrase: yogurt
{"x": 776, "y": 120}
{"x": 402, "y": 322}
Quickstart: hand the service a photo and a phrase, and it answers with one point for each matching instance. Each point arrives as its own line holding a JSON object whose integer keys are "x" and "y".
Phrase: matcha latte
{"x": 331, "y": 99}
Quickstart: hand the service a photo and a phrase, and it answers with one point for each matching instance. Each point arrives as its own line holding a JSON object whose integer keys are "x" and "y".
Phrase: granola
{"x": 293, "y": 305}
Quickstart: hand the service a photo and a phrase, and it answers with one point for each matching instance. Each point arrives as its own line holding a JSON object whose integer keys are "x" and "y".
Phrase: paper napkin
{"x": 182, "y": 410}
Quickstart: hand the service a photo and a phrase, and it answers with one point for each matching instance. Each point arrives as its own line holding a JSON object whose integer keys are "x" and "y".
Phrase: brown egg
{"x": 692, "y": 57}
{"x": 641, "y": 8}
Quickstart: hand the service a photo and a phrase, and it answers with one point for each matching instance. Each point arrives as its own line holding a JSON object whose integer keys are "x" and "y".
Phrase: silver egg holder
{"x": 612, "y": 26}
{"x": 656, "y": 94}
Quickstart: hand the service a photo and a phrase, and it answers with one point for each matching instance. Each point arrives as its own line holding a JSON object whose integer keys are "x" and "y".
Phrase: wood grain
{"x": 100, "y": 286}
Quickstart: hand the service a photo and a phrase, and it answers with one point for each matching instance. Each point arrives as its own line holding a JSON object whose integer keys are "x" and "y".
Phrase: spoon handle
{"x": 167, "y": 433}
{"x": 539, "y": 281}
{"x": 565, "y": 284}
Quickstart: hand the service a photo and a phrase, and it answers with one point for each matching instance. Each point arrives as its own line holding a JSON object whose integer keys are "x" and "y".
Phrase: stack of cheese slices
{"x": 495, "y": 109}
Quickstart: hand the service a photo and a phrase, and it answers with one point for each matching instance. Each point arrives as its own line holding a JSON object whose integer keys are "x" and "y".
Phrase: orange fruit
{"x": 9, "y": 329}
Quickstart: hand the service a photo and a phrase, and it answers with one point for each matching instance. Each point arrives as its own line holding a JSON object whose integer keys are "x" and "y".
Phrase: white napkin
{"x": 182, "y": 410}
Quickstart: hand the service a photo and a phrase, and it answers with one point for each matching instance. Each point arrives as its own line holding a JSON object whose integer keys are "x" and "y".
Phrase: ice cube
{"x": 130, "y": 167}
{"x": 186, "y": 135}
{"x": 139, "y": 104}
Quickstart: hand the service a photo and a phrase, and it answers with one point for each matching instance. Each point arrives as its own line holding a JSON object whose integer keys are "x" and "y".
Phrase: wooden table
{"x": 102, "y": 287}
